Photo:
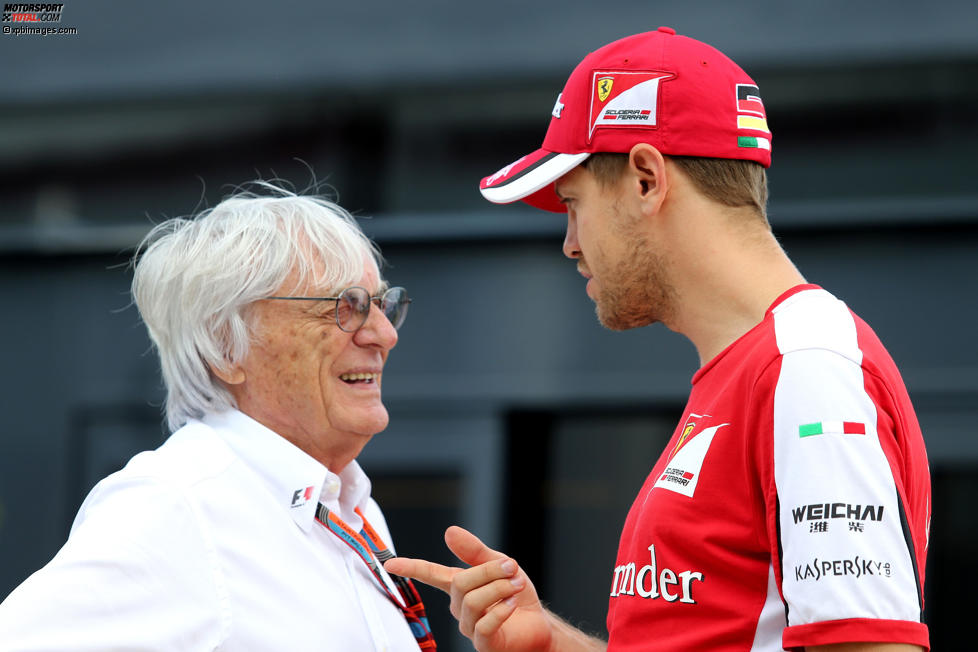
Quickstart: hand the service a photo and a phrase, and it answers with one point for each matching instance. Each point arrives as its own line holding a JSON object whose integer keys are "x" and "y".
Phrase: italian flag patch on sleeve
{"x": 832, "y": 428}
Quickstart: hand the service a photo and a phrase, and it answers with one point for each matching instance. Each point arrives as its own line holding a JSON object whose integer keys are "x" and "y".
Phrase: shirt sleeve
{"x": 843, "y": 555}
{"x": 137, "y": 572}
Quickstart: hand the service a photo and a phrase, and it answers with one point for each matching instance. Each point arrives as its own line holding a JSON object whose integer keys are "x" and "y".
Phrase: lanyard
{"x": 373, "y": 551}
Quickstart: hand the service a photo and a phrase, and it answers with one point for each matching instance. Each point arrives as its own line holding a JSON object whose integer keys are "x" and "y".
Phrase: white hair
{"x": 195, "y": 279}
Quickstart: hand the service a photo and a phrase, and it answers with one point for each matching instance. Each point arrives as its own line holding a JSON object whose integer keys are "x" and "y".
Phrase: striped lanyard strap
{"x": 373, "y": 551}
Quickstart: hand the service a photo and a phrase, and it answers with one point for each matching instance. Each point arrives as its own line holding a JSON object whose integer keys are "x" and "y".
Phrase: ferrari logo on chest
{"x": 685, "y": 461}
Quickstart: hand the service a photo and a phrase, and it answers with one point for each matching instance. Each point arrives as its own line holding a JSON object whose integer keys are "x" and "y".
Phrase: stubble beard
{"x": 637, "y": 292}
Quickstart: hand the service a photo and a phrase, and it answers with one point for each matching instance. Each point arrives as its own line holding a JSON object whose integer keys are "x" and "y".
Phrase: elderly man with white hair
{"x": 252, "y": 526}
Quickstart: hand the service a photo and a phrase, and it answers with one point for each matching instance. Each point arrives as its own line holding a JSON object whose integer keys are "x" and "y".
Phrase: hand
{"x": 494, "y": 601}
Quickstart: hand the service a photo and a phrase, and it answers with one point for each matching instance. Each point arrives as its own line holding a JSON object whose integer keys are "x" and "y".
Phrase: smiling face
{"x": 627, "y": 278}
{"x": 309, "y": 381}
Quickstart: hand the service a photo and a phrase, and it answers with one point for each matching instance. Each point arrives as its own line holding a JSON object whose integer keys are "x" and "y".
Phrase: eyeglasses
{"x": 353, "y": 306}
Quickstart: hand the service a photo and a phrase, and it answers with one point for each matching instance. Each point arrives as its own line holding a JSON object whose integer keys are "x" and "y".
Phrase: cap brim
{"x": 531, "y": 179}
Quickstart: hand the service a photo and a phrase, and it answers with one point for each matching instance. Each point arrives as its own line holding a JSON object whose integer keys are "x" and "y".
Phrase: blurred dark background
{"x": 513, "y": 412}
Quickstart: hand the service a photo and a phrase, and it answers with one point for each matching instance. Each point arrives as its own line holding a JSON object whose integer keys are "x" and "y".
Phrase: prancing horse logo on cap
{"x": 604, "y": 87}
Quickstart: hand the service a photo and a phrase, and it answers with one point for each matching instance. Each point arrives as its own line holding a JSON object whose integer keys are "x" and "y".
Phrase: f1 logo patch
{"x": 301, "y": 496}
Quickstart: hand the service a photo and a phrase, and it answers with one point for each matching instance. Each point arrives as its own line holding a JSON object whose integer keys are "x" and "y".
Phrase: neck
{"x": 335, "y": 457}
{"x": 334, "y": 450}
{"x": 727, "y": 275}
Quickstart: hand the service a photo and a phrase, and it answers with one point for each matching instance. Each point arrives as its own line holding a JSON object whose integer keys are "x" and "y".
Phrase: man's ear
{"x": 233, "y": 374}
{"x": 648, "y": 169}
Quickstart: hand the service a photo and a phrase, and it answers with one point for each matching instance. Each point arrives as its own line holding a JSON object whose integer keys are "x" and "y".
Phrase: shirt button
{"x": 333, "y": 487}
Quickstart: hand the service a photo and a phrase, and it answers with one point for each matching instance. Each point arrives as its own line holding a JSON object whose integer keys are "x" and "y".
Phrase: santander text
{"x": 650, "y": 583}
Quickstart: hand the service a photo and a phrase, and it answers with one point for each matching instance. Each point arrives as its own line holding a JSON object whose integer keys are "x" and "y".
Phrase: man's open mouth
{"x": 359, "y": 378}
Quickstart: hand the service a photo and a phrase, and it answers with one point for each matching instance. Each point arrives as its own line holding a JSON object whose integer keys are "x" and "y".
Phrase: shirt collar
{"x": 295, "y": 479}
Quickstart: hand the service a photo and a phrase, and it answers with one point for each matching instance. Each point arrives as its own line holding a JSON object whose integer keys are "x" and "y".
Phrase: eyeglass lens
{"x": 354, "y": 306}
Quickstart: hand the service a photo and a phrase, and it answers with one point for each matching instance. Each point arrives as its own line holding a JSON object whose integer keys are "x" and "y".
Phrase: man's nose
{"x": 572, "y": 249}
{"x": 377, "y": 331}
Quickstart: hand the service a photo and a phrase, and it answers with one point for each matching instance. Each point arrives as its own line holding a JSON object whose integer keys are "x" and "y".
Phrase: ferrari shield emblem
{"x": 690, "y": 425}
{"x": 624, "y": 99}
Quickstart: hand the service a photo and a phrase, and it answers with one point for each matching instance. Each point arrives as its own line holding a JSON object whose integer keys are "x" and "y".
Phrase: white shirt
{"x": 210, "y": 543}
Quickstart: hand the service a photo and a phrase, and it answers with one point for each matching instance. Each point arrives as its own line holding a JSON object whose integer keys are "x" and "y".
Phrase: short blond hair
{"x": 730, "y": 182}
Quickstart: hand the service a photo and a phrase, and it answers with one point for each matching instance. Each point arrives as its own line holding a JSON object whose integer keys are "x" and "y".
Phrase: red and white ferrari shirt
{"x": 792, "y": 504}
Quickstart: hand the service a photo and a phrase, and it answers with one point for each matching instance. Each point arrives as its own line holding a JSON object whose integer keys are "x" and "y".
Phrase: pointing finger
{"x": 428, "y": 572}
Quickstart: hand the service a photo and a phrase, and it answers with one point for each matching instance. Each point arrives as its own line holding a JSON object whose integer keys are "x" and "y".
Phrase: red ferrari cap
{"x": 677, "y": 94}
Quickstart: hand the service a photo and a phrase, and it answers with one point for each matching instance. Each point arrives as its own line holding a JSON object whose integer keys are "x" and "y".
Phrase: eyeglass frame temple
{"x": 372, "y": 298}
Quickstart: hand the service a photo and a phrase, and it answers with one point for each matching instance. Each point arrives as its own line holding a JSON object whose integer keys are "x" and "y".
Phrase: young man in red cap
{"x": 791, "y": 507}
